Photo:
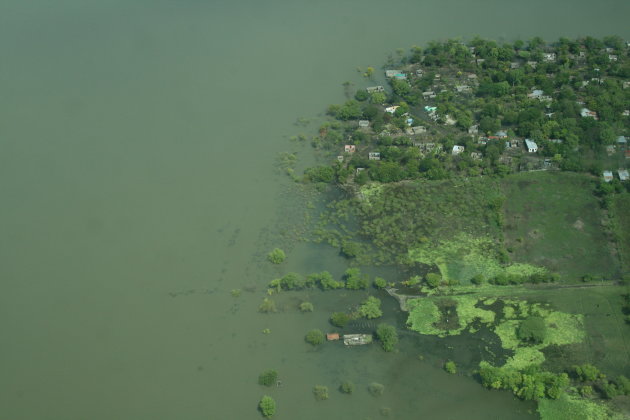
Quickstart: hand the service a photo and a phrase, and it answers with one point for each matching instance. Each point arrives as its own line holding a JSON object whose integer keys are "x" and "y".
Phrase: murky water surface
{"x": 137, "y": 143}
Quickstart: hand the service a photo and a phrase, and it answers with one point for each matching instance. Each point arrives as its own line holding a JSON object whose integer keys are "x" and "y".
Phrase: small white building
{"x": 623, "y": 174}
{"x": 392, "y": 109}
{"x": 364, "y": 123}
{"x": 457, "y": 150}
{"x": 608, "y": 176}
{"x": 374, "y": 89}
{"x": 531, "y": 146}
{"x": 349, "y": 148}
{"x": 587, "y": 113}
{"x": 549, "y": 57}
{"x": 473, "y": 129}
{"x": 374, "y": 156}
{"x": 392, "y": 73}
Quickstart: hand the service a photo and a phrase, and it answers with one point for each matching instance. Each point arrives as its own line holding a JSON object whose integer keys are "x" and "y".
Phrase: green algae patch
{"x": 523, "y": 357}
{"x": 507, "y": 334}
{"x": 423, "y": 315}
{"x": 468, "y": 312}
{"x": 370, "y": 192}
{"x": 564, "y": 328}
{"x": 569, "y": 407}
{"x": 466, "y": 256}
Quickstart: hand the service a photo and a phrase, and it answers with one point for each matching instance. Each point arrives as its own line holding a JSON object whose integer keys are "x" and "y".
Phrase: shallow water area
{"x": 137, "y": 150}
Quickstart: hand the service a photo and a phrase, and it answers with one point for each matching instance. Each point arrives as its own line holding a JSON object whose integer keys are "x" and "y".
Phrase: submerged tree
{"x": 277, "y": 256}
{"x": 388, "y": 336}
{"x": 267, "y": 406}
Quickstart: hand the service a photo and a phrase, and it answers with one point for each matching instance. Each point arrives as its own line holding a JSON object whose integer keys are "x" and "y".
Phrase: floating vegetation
{"x": 574, "y": 408}
{"x": 426, "y": 317}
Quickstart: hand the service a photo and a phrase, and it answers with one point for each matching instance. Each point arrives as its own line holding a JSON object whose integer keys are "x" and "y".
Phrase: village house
{"x": 392, "y": 73}
{"x": 428, "y": 147}
{"x": 501, "y": 134}
{"x": 626, "y": 85}
{"x": 531, "y": 146}
{"x": 416, "y": 130}
{"x": 472, "y": 76}
{"x": 623, "y": 174}
{"x": 457, "y": 150}
{"x": 480, "y": 61}
{"x": 340, "y": 158}
{"x": 392, "y": 109}
{"x": 463, "y": 88}
{"x": 428, "y": 94}
{"x": 532, "y": 64}
{"x": 514, "y": 65}
{"x": 556, "y": 141}
{"x": 357, "y": 339}
{"x": 332, "y": 336}
{"x": 612, "y": 57}
{"x": 549, "y": 57}
{"x": 610, "y": 149}
{"x": 513, "y": 144}
{"x": 419, "y": 72}
{"x": 374, "y": 89}
{"x": 364, "y": 123}
{"x": 622, "y": 141}
{"x": 359, "y": 170}
{"x": 626, "y": 113}
{"x": 349, "y": 148}
{"x": 608, "y": 176}
{"x": 374, "y": 156}
{"x": 475, "y": 155}
{"x": 587, "y": 113}
{"x": 483, "y": 140}
{"x": 473, "y": 129}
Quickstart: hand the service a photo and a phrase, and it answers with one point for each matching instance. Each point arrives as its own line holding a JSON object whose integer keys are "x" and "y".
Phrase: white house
{"x": 391, "y": 109}
{"x": 364, "y": 123}
{"x": 392, "y": 73}
{"x": 457, "y": 150}
{"x": 608, "y": 176}
{"x": 374, "y": 156}
{"x": 349, "y": 148}
{"x": 549, "y": 57}
{"x": 587, "y": 113}
{"x": 623, "y": 174}
{"x": 531, "y": 146}
{"x": 374, "y": 89}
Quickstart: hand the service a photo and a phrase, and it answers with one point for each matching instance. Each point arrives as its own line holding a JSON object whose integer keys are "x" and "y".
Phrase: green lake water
{"x": 137, "y": 188}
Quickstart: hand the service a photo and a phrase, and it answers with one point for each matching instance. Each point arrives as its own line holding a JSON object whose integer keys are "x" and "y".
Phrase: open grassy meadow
{"x": 622, "y": 224}
{"x": 552, "y": 219}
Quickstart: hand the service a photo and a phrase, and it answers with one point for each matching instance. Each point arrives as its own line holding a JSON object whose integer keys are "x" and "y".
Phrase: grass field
{"x": 622, "y": 222}
{"x": 552, "y": 219}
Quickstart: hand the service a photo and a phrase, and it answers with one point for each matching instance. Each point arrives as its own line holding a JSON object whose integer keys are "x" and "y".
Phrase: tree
{"x": 532, "y": 330}
{"x": 478, "y": 279}
{"x": 371, "y": 308}
{"x": 268, "y": 378}
{"x": 388, "y": 336}
{"x": 306, "y": 307}
{"x": 325, "y": 280}
{"x": 380, "y": 283}
{"x": 346, "y": 387}
{"x": 450, "y": 367}
{"x": 355, "y": 280}
{"x": 587, "y": 372}
{"x": 376, "y": 389}
{"x": 314, "y": 337}
{"x": 320, "y": 392}
{"x": 267, "y": 406}
{"x": 277, "y": 256}
{"x": 320, "y": 174}
{"x": 339, "y": 319}
{"x": 433, "y": 279}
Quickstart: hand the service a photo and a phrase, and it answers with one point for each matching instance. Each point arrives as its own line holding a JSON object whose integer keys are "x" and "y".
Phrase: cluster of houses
{"x": 623, "y": 175}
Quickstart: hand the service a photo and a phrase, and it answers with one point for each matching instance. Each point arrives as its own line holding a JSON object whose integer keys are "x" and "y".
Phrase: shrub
{"x": 388, "y": 336}
{"x": 433, "y": 279}
{"x": 532, "y": 330}
{"x": 478, "y": 279}
{"x": 267, "y": 406}
{"x": 380, "y": 283}
{"x": 320, "y": 392}
{"x": 450, "y": 367}
{"x": 346, "y": 387}
{"x": 355, "y": 280}
{"x": 371, "y": 308}
{"x": 339, "y": 319}
{"x": 306, "y": 307}
{"x": 267, "y": 306}
{"x": 314, "y": 337}
{"x": 268, "y": 378}
{"x": 277, "y": 256}
{"x": 376, "y": 389}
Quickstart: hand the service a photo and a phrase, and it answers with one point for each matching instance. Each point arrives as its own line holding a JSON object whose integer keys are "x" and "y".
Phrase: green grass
{"x": 554, "y": 220}
{"x": 622, "y": 223}
{"x": 573, "y": 408}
